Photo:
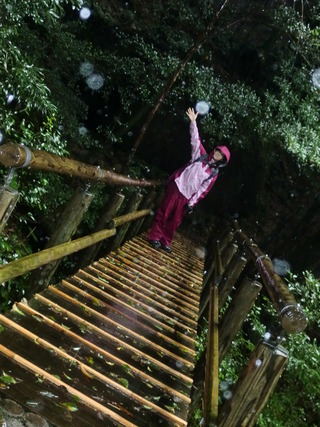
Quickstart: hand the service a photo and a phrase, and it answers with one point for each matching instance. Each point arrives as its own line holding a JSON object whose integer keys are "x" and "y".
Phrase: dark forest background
{"x": 82, "y": 79}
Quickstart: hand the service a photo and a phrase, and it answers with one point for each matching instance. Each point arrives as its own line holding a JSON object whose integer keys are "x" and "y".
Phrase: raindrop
{"x": 202, "y": 107}
{"x": 267, "y": 336}
{"x": 95, "y": 81}
{"x": 2, "y": 136}
{"x": 86, "y": 69}
{"x": 48, "y": 394}
{"x": 10, "y": 98}
{"x": 179, "y": 364}
{"x": 85, "y": 13}
{"x": 316, "y": 78}
{"x": 82, "y": 130}
{"x": 227, "y": 395}
{"x": 224, "y": 385}
{"x": 281, "y": 266}
{"x": 130, "y": 133}
{"x": 32, "y": 404}
{"x": 258, "y": 363}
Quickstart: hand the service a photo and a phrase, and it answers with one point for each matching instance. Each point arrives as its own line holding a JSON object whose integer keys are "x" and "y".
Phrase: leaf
{"x": 1, "y": 328}
{"x": 68, "y": 378}
{"x": 90, "y": 360}
{"x": 7, "y": 379}
{"x": 103, "y": 279}
{"x": 17, "y": 310}
{"x": 70, "y": 406}
{"x": 124, "y": 382}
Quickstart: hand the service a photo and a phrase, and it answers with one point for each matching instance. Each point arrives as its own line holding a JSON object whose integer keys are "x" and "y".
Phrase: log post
{"x": 20, "y": 156}
{"x": 228, "y": 280}
{"x": 8, "y": 200}
{"x": 136, "y": 225}
{"x": 254, "y": 386}
{"x": 131, "y": 206}
{"x": 228, "y": 254}
{"x": 218, "y": 269}
{"x": 211, "y": 382}
{"x": 292, "y": 317}
{"x": 154, "y": 206}
{"x": 66, "y": 227}
{"x": 242, "y": 302}
{"x": 109, "y": 212}
{"x": 210, "y": 263}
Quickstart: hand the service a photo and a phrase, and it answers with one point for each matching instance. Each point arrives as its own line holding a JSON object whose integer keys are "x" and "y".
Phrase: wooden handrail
{"x": 293, "y": 319}
{"x": 19, "y": 156}
{"x": 120, "y": 220}
{"x": 30, "y": 262}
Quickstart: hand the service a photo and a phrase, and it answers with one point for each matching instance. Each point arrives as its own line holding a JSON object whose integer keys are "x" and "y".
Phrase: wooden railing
{"x": 59, "y": 245}
{"x": 30, "y": 262}
{"x": 19, "y": 156}
{"x": 233, "y": 266}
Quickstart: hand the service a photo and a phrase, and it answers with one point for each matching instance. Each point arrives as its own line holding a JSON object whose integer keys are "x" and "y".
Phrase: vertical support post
{"x": 211, "y": 392}
{"x": 210, "y": 264}
{"x": 254, "y": 386}
{"x": 109, "y": 212}
{"x": 236, "y": 313}
{"x": 8, "y": 200}
{"x": 67, "y": 225}
{"x": 137, "y": 224}
{"x": 227, "y": 281}
{"x": 211, "y": 381}
{"x": 230, "y": 278}
{"x": 132, "y": 206}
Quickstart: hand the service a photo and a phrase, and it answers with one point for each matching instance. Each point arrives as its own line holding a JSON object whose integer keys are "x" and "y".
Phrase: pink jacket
{"x": 192, "y": 180}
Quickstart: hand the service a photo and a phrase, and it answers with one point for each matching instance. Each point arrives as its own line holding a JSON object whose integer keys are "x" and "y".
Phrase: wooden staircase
{"x": 113, "y": 345}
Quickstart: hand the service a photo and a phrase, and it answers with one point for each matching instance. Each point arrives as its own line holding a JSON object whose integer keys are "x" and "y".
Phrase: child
{"x": 186, "y": 187}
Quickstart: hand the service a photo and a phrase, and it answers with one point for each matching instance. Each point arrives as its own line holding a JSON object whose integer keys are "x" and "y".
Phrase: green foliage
{"x": 13, "y": 245}
{"x": 295, "y": 401}
{"x": 27, "y": 111}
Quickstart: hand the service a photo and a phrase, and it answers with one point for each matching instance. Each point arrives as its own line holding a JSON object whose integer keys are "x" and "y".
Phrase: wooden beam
{"x": 123, "y": 219}
{"x": 20, "y": 156}
{"x": 24, "y": 265}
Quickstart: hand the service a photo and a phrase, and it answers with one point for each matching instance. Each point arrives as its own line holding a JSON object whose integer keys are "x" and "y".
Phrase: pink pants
{"x": 169, "y": 215}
